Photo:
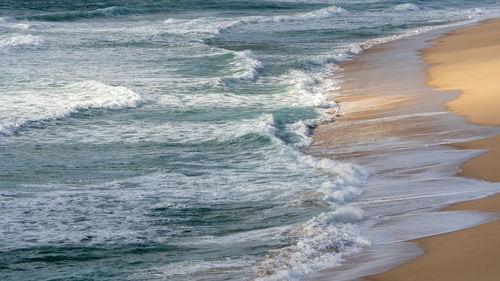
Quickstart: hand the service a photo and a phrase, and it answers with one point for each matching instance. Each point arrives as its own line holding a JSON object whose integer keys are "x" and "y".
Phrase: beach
{"x": 467, "y": 60}
{"x": 381, "y": 118}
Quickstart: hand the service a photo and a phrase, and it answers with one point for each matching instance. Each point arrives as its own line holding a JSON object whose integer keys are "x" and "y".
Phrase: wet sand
{"x": 468, "y": 254}
{"x": 467, "y": 59}
{"x": 486, "y": 166}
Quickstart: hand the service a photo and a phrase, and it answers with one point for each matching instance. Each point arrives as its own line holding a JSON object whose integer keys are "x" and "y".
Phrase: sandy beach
{"x": 468, "y": 60}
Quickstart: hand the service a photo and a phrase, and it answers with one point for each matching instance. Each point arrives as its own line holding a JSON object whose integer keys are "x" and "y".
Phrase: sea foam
{"x": 327, "y": 238}
{"x": 214, "y": 25}
{"x": 12, "y": 22}
{"x": 246, "y": 66}
{"x": 405, "y": 7}
{"x": 20, "y": 41}
{"x": 323, "y": 241}
{"x": 24, "y": 108}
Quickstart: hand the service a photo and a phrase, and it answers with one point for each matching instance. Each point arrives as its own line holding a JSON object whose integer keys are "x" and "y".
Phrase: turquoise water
{"x": 161, "y": 140}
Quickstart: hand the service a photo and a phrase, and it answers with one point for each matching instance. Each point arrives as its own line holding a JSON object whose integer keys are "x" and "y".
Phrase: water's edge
{"x": 388, "y": 254}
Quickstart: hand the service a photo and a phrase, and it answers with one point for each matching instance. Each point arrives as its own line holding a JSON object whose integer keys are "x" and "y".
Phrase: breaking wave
{"x": 246, "y": 65}
{"x": 213, "y": 26}
{"x": 63, "y": 101}
{"x": 21, "y": 41}
{"x": 405, "y": 7}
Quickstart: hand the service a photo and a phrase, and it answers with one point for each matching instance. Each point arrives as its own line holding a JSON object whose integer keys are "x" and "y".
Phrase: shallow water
{"x": 162, "y": 139}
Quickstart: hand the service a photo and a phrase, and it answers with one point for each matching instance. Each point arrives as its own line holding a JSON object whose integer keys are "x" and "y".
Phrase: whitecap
{"x": 405, "y": 7}
{"x": 21, "y": 41}
{"x": 216, "y": 25}
{"x": 12, "y": 22}
{"x": 320, "y": 14}
{"x": 246, "y": 65}
{"x": 476, "y": 13}
{"x": 22, "y": 108}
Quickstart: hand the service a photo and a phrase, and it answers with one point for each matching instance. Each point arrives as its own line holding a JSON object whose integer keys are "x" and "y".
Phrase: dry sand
{"x": 467, "y": 59}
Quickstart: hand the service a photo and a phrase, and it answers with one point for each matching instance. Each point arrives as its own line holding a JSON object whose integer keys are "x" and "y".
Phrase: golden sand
{"x": 467, "y": 59}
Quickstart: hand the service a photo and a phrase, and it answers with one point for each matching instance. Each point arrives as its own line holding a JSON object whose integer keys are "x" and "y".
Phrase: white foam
{"x": 298, "y": 89}
{"x": 477, "y": 13}
{"x": 405, "y": 7}
{"x": 21, "y": 41}
{"x": 337, "y": 195}
{"x": 326, "y": 239}
{"x": 23, "y": 26}
{"x": 12, "y": 22}
{"x": 59, "y": 102}
{"x": 303, "y": 129}
{"x": 320, "y": 14}
{"x": 215, "y": 25}
{"x": 348, "y": 174}
{"x": 246, "y": 66}
{"x": 322, "y": 242}
{"x": 195, "y": 269}
{"x": 354, "y": 49}
{"x": 310, "y": 90}
{"x": 186, "y": 132}
{"x": 344, "y": 214}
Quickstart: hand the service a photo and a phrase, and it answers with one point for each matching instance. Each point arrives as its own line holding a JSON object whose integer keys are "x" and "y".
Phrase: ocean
{"x": 164, "y": 140}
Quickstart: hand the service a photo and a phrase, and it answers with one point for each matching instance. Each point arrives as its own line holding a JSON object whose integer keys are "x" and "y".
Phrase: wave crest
{"x": 21, "y": 41}
{"x": 214, "y": 26}
{"x": 247, "y": 65}
{"x": 62, "y": 101}
{"x": 405, "y": 7}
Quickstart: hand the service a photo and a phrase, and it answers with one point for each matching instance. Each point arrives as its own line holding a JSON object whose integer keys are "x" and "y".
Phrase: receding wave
{"x": 326, "y": 239}
{"x": 61, "y": 102}
{"x": 75, "y": 15}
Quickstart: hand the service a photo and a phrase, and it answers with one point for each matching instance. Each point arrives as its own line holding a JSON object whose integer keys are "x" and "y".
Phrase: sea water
{"x": 162, "y": 140}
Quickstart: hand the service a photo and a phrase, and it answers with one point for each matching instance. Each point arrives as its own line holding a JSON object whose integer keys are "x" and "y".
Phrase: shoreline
{"x": 465, "y": 59}
{"x": 374, "y": 109}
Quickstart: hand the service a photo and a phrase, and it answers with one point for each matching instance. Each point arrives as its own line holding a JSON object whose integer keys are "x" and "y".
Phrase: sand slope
{"x": 467, "y": 59}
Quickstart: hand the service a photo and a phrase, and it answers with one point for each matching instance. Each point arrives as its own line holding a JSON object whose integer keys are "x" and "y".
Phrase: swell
{"x": 113, "y": 11}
